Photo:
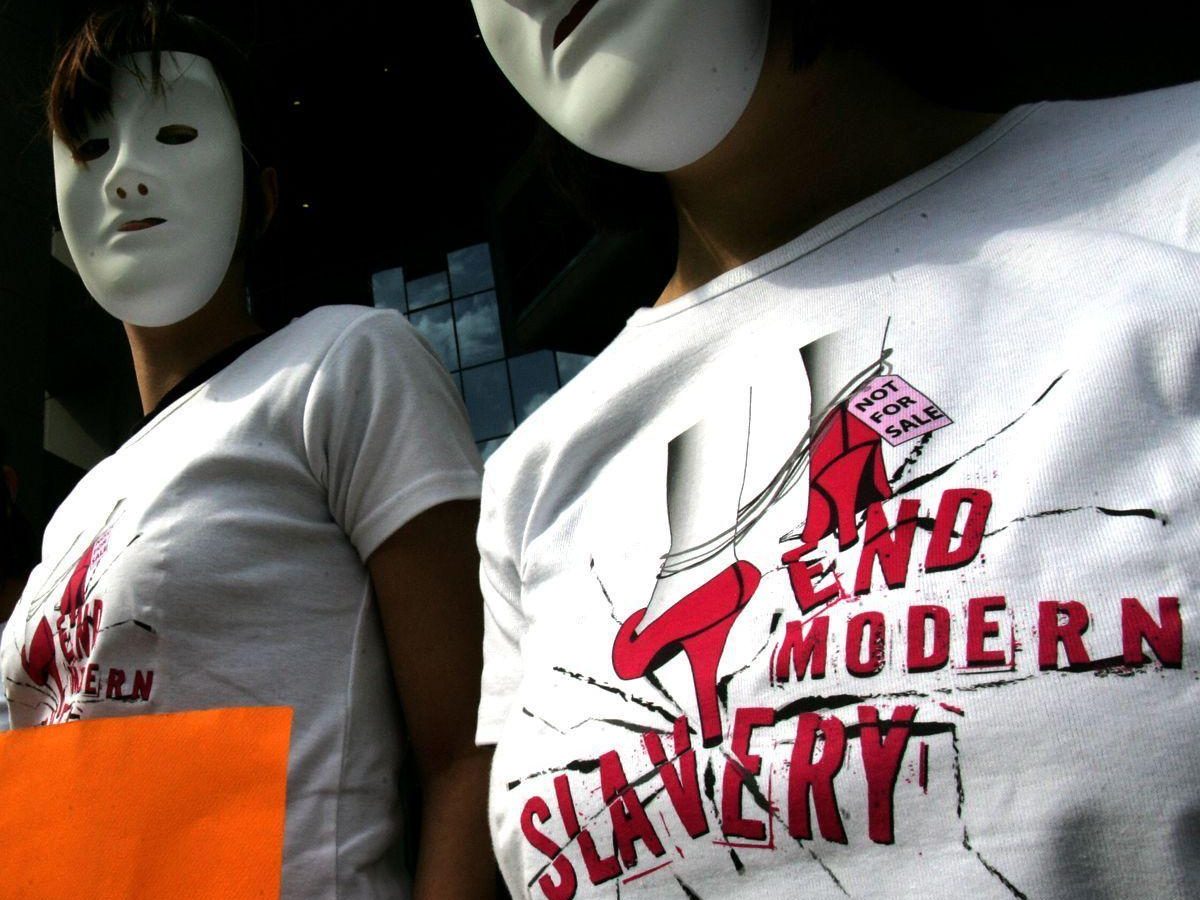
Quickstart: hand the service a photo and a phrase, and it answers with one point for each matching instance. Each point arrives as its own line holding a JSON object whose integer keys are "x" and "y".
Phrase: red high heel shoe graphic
{"x": 39, "y": 658}
{"x": 698, "y": 625}
{"x": 846, "y": 476}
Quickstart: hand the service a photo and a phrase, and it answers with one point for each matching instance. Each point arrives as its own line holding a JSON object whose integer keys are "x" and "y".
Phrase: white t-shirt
{"x": 869, "y": 568}
{"x": 217, "y": 560}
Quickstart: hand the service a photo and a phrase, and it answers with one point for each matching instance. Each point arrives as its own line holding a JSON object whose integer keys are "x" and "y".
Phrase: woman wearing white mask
{"x": 291, "y": 525}
{"x": 803, "y": 588}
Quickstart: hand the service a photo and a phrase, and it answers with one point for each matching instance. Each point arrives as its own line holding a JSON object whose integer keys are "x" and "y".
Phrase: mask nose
{"x": 122, "y": 193}
{"x": 129, "y": 179}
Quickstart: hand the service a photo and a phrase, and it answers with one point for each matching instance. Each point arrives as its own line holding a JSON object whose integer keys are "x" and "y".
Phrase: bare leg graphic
{"x": 702, "y": 586}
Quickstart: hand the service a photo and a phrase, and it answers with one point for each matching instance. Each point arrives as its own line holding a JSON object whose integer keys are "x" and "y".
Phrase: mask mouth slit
{"x": 572, "y": 19}
{"x": 140, "y": 224}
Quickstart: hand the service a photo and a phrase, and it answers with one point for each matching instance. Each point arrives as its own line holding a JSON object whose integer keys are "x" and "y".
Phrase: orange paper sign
{"x": 181, "y": 805}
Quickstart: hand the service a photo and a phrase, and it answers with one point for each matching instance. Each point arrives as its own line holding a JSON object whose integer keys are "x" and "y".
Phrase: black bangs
{"x": 81, "y": 88}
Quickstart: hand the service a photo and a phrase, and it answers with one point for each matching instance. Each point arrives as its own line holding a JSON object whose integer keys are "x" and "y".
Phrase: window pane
{"x": 478, "y": 324}
{"x": 470, "y": 270}
{"x": 387, "y": 287}
{"x": 485, "y": 390}
{"x": 487, "y": 448}
{"x": 571, "y": 364}
{"x": 428, "y": 290}
{"x": 534, "y": 379}
{"x": 438, "y": 328}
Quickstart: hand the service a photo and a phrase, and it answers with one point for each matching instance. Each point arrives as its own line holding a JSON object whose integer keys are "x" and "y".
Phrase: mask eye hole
{"x": 176, "y": 134}
{"x": 93, "y": 148}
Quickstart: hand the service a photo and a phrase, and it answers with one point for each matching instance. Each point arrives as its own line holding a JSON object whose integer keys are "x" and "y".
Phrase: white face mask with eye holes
{"x": 151, "y": 203}
{"x": 651, "y": 84}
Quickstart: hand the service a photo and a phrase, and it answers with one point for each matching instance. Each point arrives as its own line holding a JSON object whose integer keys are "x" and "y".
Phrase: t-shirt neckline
{"x": 838, "y": 224}
{"x": 199, "y": 375}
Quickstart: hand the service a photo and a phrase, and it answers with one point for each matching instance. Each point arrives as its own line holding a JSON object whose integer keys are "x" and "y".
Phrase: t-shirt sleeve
{"x": 385, "y": 430}
{"x": 503, "y": 620}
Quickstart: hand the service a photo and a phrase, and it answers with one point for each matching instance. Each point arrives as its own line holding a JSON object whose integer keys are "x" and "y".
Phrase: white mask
{"x": 651, "y": 84}
{"x": 152, "y": 217}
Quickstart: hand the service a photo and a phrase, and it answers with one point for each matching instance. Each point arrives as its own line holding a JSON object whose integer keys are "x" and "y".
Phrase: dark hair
{"x": 81, "y": 86}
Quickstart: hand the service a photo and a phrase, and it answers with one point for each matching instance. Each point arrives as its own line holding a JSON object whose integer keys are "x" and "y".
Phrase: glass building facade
{"x": 456, "y": 311}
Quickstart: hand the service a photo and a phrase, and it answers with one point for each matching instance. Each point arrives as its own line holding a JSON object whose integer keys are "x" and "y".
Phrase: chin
{"x": 599, "y": 118}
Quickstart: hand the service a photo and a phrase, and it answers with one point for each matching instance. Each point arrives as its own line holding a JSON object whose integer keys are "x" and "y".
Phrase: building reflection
{"x": 456, "y": 311}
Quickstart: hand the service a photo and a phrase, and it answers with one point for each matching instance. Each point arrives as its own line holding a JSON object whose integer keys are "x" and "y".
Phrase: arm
{"x": 426, "y": 581}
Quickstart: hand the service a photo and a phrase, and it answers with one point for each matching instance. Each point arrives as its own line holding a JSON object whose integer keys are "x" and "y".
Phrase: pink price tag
{"x": 896, "y": 410}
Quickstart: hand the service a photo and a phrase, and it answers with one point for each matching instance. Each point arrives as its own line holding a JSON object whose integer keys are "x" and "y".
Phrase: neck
{"x": 163, "y": 357}
{"x": 810, "y": 143}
